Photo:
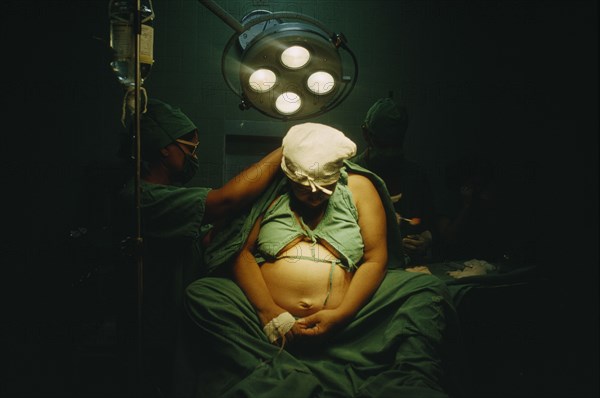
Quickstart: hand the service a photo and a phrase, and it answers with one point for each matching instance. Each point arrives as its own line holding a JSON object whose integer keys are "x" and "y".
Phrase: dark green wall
{"x": 501, "y": 78}
{"x": 515, "y": 81}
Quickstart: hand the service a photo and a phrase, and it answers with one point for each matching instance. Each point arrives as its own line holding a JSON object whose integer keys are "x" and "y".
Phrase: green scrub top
{"x": 169, "y": 212}
{"x": 172, "y": 229}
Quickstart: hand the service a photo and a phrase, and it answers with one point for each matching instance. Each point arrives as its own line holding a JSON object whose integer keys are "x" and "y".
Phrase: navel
{"x": 305, "y": 305}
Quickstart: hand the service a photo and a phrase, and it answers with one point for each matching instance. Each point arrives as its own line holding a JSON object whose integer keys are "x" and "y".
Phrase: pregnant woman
{"x": 310, "y": 308}
{"x": 319, "y": 251}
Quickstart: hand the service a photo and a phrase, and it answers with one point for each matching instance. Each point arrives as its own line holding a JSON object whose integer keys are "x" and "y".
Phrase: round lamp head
{"x": 291, "y": 70}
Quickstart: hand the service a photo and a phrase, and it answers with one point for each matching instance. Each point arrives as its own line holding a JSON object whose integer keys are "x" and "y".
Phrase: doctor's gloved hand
{"x": 417, "y": 243}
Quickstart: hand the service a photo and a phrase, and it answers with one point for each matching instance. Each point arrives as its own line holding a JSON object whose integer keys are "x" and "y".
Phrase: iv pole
{"x": 138, "y": 240}
{"x": 137, "y": 31}
{"x": 133, "y": 247}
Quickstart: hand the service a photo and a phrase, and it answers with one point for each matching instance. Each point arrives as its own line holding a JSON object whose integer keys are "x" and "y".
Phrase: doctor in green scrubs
{"x": 176, "y": 222}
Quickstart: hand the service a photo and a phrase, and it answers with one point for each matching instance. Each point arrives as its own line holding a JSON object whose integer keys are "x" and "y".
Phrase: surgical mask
{"x": 190, "y": 168}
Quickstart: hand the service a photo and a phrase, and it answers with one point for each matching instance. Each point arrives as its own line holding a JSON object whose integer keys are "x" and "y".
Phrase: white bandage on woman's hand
{"x": 279, "y": 326}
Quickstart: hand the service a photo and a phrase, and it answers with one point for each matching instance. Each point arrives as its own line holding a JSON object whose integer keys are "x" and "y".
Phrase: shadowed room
{"x": 490, "y": 111}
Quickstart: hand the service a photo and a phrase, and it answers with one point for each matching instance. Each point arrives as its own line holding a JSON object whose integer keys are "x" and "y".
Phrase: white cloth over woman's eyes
{"x": 314, "y": 153}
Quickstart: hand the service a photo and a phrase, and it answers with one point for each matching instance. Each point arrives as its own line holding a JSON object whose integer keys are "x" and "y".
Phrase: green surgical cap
{"x": 162, "y": 124}
{"x": 387, "y": 121}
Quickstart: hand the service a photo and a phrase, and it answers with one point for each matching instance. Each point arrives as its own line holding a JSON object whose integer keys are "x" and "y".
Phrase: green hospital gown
{"x": 400, "y": 344}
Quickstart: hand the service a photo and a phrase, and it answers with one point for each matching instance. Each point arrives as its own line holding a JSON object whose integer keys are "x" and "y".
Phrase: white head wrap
{"x": 314, "y": 153}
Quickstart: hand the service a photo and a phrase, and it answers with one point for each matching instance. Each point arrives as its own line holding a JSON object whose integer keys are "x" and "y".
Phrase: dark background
{"x": 513, "y": 81}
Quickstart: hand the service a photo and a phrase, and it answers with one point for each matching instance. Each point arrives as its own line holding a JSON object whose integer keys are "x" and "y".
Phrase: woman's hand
{"x": 279, "y": 328}
{"x": 320, "y": 323}
{"x": 268, "y": 314}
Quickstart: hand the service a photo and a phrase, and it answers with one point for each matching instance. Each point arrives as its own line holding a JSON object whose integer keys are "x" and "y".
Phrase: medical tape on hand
{"x": 279, "y": 326}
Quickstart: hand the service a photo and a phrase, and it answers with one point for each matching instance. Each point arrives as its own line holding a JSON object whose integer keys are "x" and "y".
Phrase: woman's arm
{"x": 246, "y": 273}
{"x": 243, "y": 188}
{"x": 372, "y": 222}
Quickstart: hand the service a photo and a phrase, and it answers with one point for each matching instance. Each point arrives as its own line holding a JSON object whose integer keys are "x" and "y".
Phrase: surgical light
{"x": 320, "y": 83}
{"x": 262, "y": 80}
{"x": 286, "y": 65}
{"x": 295, "y": 57}
{"x": 288, "y": 103}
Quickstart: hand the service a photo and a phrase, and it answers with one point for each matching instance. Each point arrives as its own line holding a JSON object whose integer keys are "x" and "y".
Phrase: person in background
{"x": 384, "y": 130}
{"x": 176, "y": 223}
{"x": 469, "y": 227}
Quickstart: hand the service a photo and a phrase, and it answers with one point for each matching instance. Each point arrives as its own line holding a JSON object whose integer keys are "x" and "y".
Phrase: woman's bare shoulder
{"x": 360, "y": 185}
{"x": 359, "y": 180}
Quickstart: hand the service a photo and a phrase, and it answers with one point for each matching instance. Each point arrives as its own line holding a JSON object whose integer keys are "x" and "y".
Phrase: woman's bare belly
{"x": 300, "y": 286}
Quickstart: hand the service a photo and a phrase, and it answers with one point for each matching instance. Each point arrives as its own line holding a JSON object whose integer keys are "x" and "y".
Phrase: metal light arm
{"x": 224, "y": 15}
